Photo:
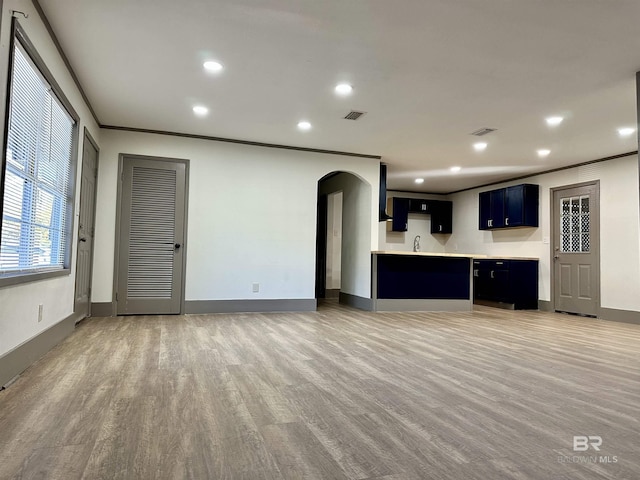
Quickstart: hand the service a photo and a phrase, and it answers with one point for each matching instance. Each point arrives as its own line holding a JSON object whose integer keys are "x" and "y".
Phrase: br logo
{"x": 581, "y": 443}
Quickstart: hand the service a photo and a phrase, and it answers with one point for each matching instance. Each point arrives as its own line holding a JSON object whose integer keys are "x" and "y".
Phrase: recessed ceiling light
{"x": 554, "y": 121}
{"x": 455, "y": 169}
{"x": 543, "y": 152}
{"x": 419, "y": 180}
{"x": 480, "y": 146}
{"x": 343, "y": 89}
{"x": 626, "y": 131}
{"x": 304, "y": 125}
{"x": 200, "y": 110}
{"x": 212, "y": 66}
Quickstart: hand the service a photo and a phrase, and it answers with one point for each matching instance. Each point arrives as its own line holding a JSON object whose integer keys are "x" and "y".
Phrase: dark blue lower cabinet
{"x": 423, "y": 277}
{"x": 510, "y": 283}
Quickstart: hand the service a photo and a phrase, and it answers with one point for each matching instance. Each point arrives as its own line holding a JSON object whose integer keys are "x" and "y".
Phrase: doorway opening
{"x": 343, "y": 237}
{"x": 334, "y": 245}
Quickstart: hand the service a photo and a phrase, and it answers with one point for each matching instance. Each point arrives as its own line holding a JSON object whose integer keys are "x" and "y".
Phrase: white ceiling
{"x": 428, "y": 73}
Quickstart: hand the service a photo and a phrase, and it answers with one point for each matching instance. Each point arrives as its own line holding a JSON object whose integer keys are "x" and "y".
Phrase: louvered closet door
{"x": 151, "y": 236}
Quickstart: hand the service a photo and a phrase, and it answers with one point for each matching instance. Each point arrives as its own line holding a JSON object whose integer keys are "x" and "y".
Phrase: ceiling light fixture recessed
{"x": 212, "y": 66}
{"x": 343, "y": 89}
{"x": 554, "y": 121}
{"x": 480, "y": 146}
{"x": 304, "y": 125}
{"x": 200, "y": 110}
{"x": 419, "y": 180}
{"x": 543, "y": 152}
{"x": 626, "y": 131}
{"x": 455, "y": 169}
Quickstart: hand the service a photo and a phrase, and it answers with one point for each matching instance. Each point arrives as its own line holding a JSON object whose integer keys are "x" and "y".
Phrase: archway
{"x": 343, "y": 235}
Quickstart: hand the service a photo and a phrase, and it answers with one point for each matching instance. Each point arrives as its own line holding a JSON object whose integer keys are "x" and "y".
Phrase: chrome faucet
{"x": 416, "y": 243}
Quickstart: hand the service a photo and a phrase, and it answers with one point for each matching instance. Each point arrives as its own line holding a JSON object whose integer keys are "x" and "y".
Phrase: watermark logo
{"x": 582, "y": 443}
{"x": 589, "y": 444}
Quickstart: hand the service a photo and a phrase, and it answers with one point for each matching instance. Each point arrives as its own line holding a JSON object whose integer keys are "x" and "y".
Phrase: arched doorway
{"x": 343, "y": 234}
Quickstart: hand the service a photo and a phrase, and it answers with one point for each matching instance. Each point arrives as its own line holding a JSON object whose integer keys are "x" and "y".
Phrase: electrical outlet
{"x": 256, "y": 287}
{"x": 40, "y": 312}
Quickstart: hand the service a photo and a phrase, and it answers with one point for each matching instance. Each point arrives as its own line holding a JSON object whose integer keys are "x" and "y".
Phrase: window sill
{"x": 9, "y": 279}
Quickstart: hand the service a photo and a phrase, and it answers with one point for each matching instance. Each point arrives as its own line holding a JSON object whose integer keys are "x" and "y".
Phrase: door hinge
{"x": 116, "y": 296}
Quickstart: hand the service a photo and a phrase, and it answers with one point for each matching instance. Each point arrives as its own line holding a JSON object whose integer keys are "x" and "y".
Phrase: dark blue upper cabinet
{"x": 522, "y": 205}
{"x": 497, "y": 208}
{"x": 492, "y": 209}
{"x": 485, "y": 210}
{"x": 441, "y": 216}
{"x": 515, "y": 206}
{"x": 420, "y": 205}
{"x": 441, "y": 212}
{"x": 399, "y": 214}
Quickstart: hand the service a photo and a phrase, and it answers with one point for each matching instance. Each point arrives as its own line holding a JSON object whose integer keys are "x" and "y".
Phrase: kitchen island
{"x": 421, "y": 281}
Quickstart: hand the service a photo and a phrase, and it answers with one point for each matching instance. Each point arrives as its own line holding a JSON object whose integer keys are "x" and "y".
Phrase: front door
{"x": 151, "y": 244}
{"x": 576, "y": 253}
{"x": 86, "y": 226}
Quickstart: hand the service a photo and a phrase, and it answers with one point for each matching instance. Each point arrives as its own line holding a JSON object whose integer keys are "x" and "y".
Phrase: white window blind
{"x": 36, "y": 200}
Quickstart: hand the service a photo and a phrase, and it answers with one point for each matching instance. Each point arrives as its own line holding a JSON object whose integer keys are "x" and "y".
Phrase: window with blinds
{"x": 37, "y": 195}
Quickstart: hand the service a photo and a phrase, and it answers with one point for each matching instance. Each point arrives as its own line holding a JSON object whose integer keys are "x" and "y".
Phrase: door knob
{"x": 82, "y": 239}
{"x": 177, "y": 246}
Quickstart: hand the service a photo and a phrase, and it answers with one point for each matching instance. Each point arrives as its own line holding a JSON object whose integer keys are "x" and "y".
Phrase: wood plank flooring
{"x": 333, "y": 394}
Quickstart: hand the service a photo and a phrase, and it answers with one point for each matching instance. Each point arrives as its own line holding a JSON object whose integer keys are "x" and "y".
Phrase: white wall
{"x": 419, "y": 224}
{"x": 334, "y": 240}
{"x": 19, "y": 304}
{"x": 252, "y": 214}
{"x": 357, "y": 231}
{"x": 619, "y": 229}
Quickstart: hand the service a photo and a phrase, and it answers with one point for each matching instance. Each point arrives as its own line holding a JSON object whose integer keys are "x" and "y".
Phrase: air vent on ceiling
{"x": 483, "y": 131}
{"x": 353, "y": 115}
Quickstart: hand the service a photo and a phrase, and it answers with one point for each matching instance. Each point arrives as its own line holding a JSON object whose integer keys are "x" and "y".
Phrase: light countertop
{"x": 442, "y": 254}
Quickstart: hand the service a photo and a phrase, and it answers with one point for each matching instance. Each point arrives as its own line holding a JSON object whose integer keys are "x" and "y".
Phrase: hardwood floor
{"x": 334, "y": 394}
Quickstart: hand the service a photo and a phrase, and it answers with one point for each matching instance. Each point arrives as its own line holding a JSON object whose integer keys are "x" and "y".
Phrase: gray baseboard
{"x": 421, "y": 305}
{"x": 625, "y": 316}
{"x": 258, "y": 305}
{"x": 332, "y": 293}
{"x": 17, "y": 360}
{"x": 355, "y": 301}
{"x": 102, "y": 309}
{"x": 544, "y": 306}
